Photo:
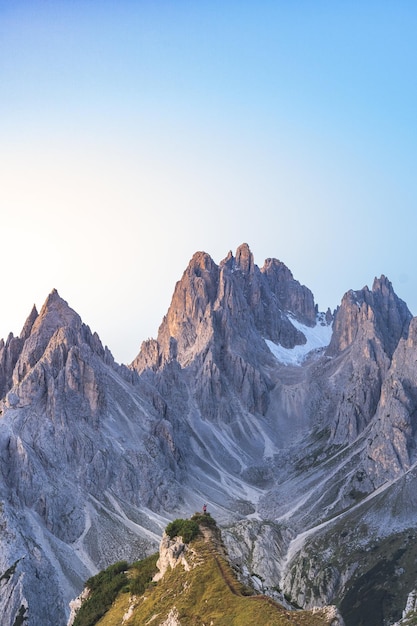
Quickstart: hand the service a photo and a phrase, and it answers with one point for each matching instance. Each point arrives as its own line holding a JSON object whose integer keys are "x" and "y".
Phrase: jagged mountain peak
{"x": 226, "y": 302}
{"x": 48, "y": 340}
{"x": 229, "y": 258}
{"x": 367, "y": 329}
{"x": 292, "y": 296}
{"x": 244, "y": 259}
{"x": 27, "y": 328}
{"x": 54, "y": 316}
{"x": 365, "y": 313}
{"x": 56, "y": 312}
{"x": 382, "y": 284}
{"x": 272, "y": 264}
{"x": 200, "y": 261}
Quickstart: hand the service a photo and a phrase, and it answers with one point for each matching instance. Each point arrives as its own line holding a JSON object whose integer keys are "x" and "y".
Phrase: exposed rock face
{"x": 96, "y": 458}
{"x": 258, "y": 549}
{"x": 392, "y": 440}
{"x": 209, "y": 298}
{"x": 291, "y": 296}
{"x": 81, "y": 453}
{"x": 368, "y": 324}
{"x": 330, "y": 613}
{"x": 10, "y": 352}
{"x": 171, "y": 553}
{"x": 75, "y": 605}
{"x": 377, "y": 314}
{"x": 172, "y": 619}
{"x": 216, "y": 325}
{"x": 410, "y": 610}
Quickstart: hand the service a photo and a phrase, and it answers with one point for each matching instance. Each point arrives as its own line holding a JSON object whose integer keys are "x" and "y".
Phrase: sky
{"x": 134, "y": 133}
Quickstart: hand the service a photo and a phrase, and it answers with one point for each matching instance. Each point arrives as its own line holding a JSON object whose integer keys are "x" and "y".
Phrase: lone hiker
{"x": 204, "y": 508}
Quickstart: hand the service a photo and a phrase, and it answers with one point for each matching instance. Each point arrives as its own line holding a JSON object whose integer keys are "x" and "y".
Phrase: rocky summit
{"x": 296, "y": 426}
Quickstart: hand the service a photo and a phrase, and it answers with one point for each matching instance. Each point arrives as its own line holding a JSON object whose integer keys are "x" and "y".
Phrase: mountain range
{"x": 297, "y": 427}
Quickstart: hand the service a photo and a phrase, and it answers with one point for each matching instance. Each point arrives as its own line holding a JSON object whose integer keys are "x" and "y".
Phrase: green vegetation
{"x": 142, "y": 573}
{"x": 189, "y": 529}
{"x": 104, "y": 588}
{"x": 204, "y": 519}
{"x": 110, "y": 586}
{"x": 207, "y": 591}
{"x": 185, "y": 528}
{"x": 385, "y": 570}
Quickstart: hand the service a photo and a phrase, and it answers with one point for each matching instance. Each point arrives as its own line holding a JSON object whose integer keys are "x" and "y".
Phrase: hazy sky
{"x": 134, "y": 133}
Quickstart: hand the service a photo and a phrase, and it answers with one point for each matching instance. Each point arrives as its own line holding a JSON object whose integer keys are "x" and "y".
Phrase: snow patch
{"x": 317, "y": 337}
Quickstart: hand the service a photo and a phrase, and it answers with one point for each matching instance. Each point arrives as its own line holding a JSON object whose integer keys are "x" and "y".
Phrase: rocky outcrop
{"x": 378, "y": 314}
{"x": 410, "y": 611}
{"x": 330, "y": 614}
{"x": 171, "y": 553}
{"x": 392, "y": 443}
{"x": 10, "y": 352}
{"x": 76, "y": 604}
{"x": 368, "y": 324}
{"x": 291, "y": 296}
{"x": 257, "y": 549}
{"x": 172, "y": 618}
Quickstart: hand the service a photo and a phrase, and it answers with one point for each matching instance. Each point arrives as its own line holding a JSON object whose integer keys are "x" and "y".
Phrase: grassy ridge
{"x": 207, "y": 593}
{"x": 105, "y": 587}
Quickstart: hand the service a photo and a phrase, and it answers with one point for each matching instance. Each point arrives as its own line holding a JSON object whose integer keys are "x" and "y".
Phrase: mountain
{"x": 191, "y": 582}
{"x": 298, "y": 427}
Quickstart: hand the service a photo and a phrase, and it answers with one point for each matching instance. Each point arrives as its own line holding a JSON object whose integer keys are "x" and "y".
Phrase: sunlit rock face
{"x": 293, "y": 430}
{"x": 172, "y": 552}
{"x": 216, "y": 326}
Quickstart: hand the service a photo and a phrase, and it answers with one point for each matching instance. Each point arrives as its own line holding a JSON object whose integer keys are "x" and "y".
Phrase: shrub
{"x": 104, "y": 588}
{"x": 185, "y": 528}
{"x": 145, "y": 571}
{"x": 204, "y": 519}
{"x": 105, "y": 577}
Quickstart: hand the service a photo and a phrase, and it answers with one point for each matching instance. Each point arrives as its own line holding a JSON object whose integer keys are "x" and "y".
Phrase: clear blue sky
{"x": 134, "y": 133}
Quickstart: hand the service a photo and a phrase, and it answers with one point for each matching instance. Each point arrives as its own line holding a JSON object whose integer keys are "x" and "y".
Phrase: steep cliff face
{"x": 10, "y": 352}
{"x": 368, "y": 325}
{"x": 216, "y": 326}
{"x": 223, "y": 303}
{"x": 378, "y": 313}
{"x": 391, "y": 449}
{"x": 81, "y": 455}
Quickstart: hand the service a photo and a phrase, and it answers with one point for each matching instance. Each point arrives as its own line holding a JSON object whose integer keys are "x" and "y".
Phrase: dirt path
{"x": 218, "y": 552}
